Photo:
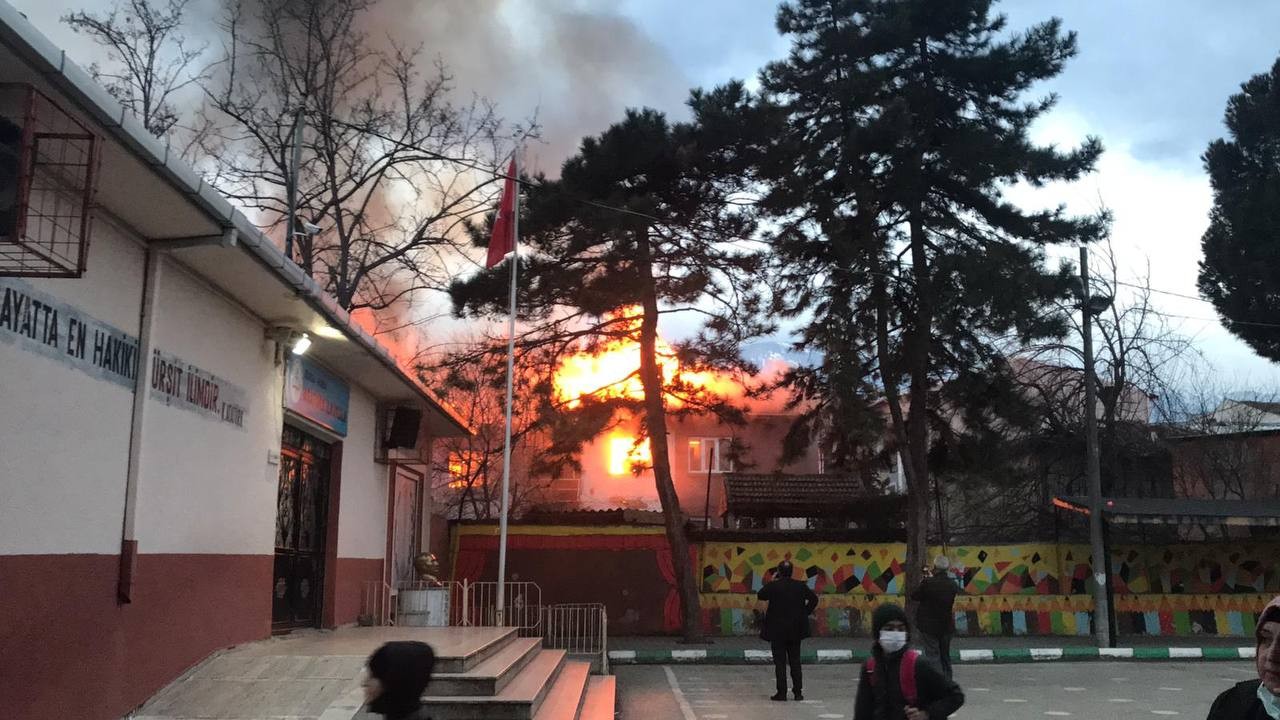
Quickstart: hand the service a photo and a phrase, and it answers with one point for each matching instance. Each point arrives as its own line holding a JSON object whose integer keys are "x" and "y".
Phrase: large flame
{"x": 614, "y": 370}
{"x": 625, "y": 454}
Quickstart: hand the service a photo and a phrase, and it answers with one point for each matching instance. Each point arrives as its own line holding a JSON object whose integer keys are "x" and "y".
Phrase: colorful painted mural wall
{"x": 1034, "y": 589}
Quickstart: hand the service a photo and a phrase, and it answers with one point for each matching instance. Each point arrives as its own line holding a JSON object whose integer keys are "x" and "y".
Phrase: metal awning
{"x": 1175, "y": 511}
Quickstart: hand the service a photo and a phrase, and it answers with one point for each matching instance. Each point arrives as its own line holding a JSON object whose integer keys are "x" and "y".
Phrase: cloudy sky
{"x": 1151, "y": 80}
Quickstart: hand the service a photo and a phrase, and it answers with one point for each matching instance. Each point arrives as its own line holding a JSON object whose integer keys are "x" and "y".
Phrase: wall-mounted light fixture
{"x": 297, "y": 341}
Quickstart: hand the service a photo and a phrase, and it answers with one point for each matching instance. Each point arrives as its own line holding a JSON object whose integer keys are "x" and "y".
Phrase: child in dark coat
{"x": 897, "y": 683}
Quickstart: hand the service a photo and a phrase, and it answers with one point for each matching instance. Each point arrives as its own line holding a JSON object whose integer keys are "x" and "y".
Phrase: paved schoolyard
{"x": 1094, "y": 691}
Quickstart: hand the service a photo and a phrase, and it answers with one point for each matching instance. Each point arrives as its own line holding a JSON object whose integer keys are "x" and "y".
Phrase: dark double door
{"x": 302, "y": 512}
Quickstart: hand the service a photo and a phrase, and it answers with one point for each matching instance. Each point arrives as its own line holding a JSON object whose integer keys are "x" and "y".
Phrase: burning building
{"x": 616, "y": 468}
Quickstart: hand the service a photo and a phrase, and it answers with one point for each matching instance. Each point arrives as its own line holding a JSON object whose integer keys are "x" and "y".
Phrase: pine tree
{"x": 640, "y": 224}
{"x": 1240, "y": 272}
{"x": 901, "y": 125}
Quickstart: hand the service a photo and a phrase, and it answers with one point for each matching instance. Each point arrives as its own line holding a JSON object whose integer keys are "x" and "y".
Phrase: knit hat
{"x": 1271, "y": 613}
{"x": 404, "y": 668}
{"x": 941, "y": 563}
{"x": 885, "y": 614}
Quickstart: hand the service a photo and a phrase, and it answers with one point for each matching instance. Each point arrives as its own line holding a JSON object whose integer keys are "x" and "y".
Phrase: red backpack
{"x": 906, "y": 676}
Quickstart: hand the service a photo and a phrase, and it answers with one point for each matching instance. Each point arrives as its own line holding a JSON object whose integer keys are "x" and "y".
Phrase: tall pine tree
{"x": 897, "y": 127}
{"x": 1240, "y": 271}
{"x": 641, "y": 224}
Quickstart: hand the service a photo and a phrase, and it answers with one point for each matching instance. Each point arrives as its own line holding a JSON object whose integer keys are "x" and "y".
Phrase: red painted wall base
{"x": 68, "y": 649}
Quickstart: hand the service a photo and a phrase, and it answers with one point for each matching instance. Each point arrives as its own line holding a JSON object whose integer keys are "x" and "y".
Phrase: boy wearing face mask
{"x": 898, "y": 683}
{"x": 1257, "y": 699}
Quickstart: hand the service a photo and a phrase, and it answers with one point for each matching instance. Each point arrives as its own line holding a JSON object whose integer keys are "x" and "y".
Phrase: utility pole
{"x": 1101, "y": 609}
{"x": 292, "y": 227}
{"x": 711, "y": 456}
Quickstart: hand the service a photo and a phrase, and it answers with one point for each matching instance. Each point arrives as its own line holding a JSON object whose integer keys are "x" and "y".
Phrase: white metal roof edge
{"x": 28, "y": 42}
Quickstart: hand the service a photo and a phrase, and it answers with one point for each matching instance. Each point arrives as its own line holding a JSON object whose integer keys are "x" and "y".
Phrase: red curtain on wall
{"x": 469, "y": 564}
{"x": 673, "y": 608}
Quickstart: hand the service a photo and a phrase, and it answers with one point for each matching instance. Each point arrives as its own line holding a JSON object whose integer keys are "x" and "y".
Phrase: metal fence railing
{"x": 580, "y": 629}
{"x": 475, "y": 604}
{"x": 377, "y": 604}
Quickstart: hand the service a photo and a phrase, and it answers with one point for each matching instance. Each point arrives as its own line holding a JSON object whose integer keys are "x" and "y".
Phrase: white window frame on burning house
{"x": 721, "y": 460}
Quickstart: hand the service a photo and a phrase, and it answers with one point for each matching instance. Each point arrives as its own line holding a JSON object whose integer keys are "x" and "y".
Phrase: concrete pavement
{"x": 1093, "y": 691}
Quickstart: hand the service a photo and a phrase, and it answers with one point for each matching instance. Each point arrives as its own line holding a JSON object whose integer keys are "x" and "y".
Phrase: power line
{"x": 1224, "y": 323}
{"x": 1148, "y": 288}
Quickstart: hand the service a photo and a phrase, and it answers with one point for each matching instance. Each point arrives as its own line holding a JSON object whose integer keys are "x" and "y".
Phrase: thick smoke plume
{"x": 576, "y": 68}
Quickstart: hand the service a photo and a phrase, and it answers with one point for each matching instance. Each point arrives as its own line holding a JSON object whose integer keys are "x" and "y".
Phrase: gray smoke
{"x": 578, "y": 68}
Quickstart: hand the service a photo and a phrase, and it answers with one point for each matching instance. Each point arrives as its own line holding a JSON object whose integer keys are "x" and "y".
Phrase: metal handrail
{"x": 474, "y": 604}
{"x": 581, "y": 629}
{"x": 375, "y": 603}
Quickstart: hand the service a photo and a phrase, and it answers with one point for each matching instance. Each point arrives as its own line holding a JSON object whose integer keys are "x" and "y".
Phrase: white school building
{"x": 173, "y": 478}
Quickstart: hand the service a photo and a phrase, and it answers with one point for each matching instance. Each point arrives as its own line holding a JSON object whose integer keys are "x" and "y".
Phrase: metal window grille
{"x": 48, "y": 164}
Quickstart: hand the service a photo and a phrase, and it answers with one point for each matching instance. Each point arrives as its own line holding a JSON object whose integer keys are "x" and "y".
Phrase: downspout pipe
{"x": 141, "y": 389}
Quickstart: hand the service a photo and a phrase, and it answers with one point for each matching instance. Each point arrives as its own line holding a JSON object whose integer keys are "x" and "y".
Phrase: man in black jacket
{"x": 935, "y": 617}
{"x": 786, "y": 623}
{"x": 1257, "y": 699}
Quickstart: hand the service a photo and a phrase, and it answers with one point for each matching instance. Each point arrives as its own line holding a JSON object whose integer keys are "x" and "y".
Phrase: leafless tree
{"x": 149, "y": 58}
{"x": 391, "y": 167}
{"x": 1140, "y": 360}
{"x": 467, "y": 471}
{"x": 1221, "y": 444}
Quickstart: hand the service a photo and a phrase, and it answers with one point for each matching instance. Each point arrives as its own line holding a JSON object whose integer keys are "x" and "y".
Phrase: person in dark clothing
{"x": 898, "y": 683}
{"x": 1257, "y": 699}
{"x": 936, "y": 615}
{"x": 398, "y": 675}
{"x": 786, "y": 623}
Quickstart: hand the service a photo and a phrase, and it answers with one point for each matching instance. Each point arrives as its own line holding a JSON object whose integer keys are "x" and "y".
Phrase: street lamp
{"x": 1091, "y": 306}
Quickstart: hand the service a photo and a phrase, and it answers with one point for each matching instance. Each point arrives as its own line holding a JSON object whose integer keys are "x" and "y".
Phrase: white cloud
{"x": 1160, "y": 212}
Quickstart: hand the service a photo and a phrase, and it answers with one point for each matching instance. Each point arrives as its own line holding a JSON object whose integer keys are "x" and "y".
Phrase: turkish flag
{"x": 503, "y": 240}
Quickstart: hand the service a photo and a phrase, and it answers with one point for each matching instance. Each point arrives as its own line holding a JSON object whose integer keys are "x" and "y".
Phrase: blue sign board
{"x": 316, "y": 394}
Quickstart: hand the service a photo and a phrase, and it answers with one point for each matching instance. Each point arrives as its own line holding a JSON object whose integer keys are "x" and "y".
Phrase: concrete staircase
{"x": 315, "y": 675}
{"x": 514, "y": 678}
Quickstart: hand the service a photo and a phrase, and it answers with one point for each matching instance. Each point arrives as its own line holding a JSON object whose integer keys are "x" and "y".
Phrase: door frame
{"x": 393, "y": 472}
{"x": 326, "y": 613}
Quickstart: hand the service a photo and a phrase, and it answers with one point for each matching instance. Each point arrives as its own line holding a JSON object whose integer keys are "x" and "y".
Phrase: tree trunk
{"x": 917, "y": 360}
{"x": 656, "y": 423}
{"x": 889, "y": 376}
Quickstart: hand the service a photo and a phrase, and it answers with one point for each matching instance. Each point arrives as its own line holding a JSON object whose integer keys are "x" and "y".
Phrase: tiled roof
{"x": 781, "y": 495}
{"x": 550, "y": 515}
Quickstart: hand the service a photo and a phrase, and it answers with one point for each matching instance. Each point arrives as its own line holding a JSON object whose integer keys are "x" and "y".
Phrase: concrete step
{"x": 601, "y": 699}
{"x": 565, "y": 699}
{"x": 472, "y": 648}
{"x": 519, "y": 700}
{"x": 490, "y": 676}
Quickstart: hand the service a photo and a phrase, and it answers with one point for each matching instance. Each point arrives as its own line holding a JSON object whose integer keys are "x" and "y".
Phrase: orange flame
{"x": 614, "y": 371}
{"x": 624, "y": 454}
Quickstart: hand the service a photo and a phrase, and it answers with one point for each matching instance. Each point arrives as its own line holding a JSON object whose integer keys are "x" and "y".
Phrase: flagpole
{"x": 511, "y": 365}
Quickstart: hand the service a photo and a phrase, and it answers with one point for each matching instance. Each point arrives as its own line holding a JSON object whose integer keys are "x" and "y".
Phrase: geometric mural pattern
{"x": 1029, "y": 589}
{"x": 1033, "y": 589}
{"x": 1032, "y": 569}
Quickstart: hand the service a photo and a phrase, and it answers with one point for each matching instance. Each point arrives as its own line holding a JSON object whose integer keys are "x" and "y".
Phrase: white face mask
{"x": 891, "y": 641}
{"x": 1269, "y": 702}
